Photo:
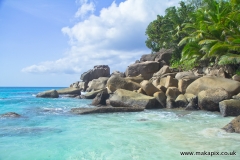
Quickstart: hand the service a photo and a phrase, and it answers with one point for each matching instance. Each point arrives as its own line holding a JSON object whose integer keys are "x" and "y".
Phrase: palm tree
{"x": 215, "y": 32}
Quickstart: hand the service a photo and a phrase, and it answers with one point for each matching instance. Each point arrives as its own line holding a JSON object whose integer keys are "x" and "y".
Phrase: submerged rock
{"x": 233, "y": 126}
{"x": 105, "y": 110}
{"x": 48, "y": 94}
{"x": 10, "y": 115}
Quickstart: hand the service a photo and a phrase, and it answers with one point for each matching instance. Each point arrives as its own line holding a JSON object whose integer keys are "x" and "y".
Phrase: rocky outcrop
{"x": 116, "y": 82}
{"x": 233, "y": 126}
{"x": 91, "y": 95}
{"x": 209, "y": 99}
{"x": 48, "y": 94}
{"x": 95, "y": 73}
{"x": 75, "y": 91}
{"x": 146, "y": 69}
{"x": 204, "y": 83}
{"x": 148, "y": 87}
{"x": 100, "y": 99}
{"x": 129, "y": 98}
{"x": 105, "y": 110}
{"x": 10, "y": 115}
{"x": 97, "y": 84}
{"x": 230, "y": 107}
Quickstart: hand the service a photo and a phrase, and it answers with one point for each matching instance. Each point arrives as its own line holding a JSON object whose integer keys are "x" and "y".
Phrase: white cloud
{"x": 116, "y": 37}
{"x": 85, "y": 8}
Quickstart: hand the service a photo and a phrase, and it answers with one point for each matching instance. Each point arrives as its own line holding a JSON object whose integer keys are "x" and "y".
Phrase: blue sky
{"x": 50, "y": 43}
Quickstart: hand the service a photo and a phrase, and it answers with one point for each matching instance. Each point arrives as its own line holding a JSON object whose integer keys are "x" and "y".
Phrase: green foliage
{"x": 198, "y": 30}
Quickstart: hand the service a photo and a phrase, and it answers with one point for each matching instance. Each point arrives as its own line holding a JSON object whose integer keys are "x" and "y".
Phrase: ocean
{"x": 47, "y": 130}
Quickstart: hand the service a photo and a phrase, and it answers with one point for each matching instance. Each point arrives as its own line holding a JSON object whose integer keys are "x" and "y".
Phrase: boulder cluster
{"x": 150, "y": 83}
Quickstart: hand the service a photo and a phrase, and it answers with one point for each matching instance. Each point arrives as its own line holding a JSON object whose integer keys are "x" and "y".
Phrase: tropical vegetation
{"x": 198, "y": 30}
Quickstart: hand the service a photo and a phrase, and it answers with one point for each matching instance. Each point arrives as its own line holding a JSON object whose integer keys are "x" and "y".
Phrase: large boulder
{"x": 172, "y": 93}
{"x": 97, "y": 84}
{"x": 233, "y": 126}
{"x": 146, "y": 69}
{"x": 204, "y": 83}
{"x": 100, "y": 99}
{"x": 230, "y": 107}
{"x": 171, "y": 82}
{"x": 209, "y": 99}
{"x": 105, "y": 110}
{"x": 48, "y": 94}
{"x": 75, "y": 91}
{"x": 95, "y": 73}
{"x": 164, "y": 56}
{"x": 161, "y": 98}
{"x": 148, "y": 87}
{"x": 83, "y": 86}
{"x": 116, "y": 82}
{"x": 133, "y": 99}
{"x": 183, "y": 84}
{"x": 91, "y": 95}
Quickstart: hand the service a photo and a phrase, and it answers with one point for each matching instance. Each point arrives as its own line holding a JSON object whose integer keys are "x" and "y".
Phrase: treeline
{"x": 198, "y": 30}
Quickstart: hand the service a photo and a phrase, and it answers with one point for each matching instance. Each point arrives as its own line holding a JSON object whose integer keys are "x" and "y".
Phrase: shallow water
{"x": 47, "y": 130}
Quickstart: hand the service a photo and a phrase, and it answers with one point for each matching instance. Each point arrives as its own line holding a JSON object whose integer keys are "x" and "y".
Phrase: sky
{"x": 51, "y": 43}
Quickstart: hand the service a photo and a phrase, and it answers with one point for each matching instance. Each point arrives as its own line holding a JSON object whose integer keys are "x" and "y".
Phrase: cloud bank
{"x": 116, "y": 37}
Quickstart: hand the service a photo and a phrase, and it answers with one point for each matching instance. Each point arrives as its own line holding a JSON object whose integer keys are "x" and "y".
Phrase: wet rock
{"x": 181, "y": 101}
{"x": 106, "y": 110}
{"x": 100, "y": 99}
{"x": 233, "y": 126}
{"x": 48, "y": 94}
{"x": 192, "y": 103}
{"x": 161, "y": 98}
{"x": 230, "y": 107}
{"x": 209, "y": 99}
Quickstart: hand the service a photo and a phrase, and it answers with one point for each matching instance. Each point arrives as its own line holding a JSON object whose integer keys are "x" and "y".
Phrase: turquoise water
{"x": 47, "y": 131}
